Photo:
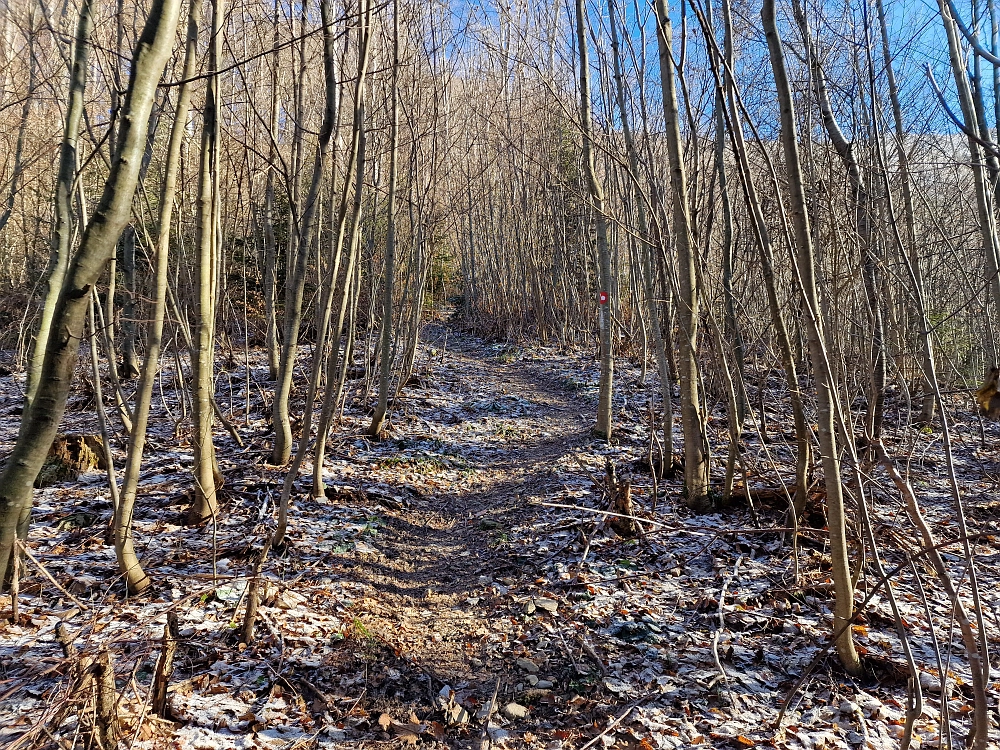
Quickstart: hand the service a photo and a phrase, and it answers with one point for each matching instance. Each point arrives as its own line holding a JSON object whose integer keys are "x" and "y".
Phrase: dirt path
{"x": 441, "y": 562}
{"x": 430, "y": 577}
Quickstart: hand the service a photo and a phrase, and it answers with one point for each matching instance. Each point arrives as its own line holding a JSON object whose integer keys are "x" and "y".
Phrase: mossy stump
{"x": 70, "y": 456}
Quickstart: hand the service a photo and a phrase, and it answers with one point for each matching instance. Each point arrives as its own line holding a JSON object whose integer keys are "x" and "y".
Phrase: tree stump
{"x": 620, "y": 492}
{"x": 70, "y": 456}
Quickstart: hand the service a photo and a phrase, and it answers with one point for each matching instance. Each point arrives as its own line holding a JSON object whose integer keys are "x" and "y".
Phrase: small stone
{"x": 930, "y": 682}
{"x": 532, "y": 680}
{"x": 527, "y": 665}
{"x": 847, "y": 707}
{"x": 515, "y": 711}
{"x": 549, "y": 605}
{"x": 543, "y": 684}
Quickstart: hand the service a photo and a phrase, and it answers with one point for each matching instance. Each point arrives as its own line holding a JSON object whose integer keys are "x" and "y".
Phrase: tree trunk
{"x": 825, "y": 385}
{"x": 902, "y": 158}
{"x": 606, "y": 382}
{"x": 130, "y": 362}
{"x": 385, "y": 337}
{"x": 63, "y": 208}
{"x": 22, "y": 129}
{"x": 647, "y": 247}
{"x": 96, "y": 247}
{"x": 322, "y": 319}
{"x": 205, "y": 502}
{"x": 270, "y": 245}
{"x": 136, "y": 579}
{"x": 692, "y": 420}
{"x": 860, "y": 205}
{"x": 282, "y": 449}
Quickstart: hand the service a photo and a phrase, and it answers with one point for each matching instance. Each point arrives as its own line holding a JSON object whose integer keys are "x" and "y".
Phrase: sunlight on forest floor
{"x": 431, "y": 584}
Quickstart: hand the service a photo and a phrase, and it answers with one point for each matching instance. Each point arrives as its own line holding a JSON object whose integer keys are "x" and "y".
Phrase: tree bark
{"x": 825, "y": 385}
{"x": 136, "y": 579}
{"x": 205, "y": 503}
{"x": 648, "y": 248}
{"x": 96, "y": 247}
{"x": 385, "y": 336}
{"x": 606, "y": 327}
{"x": 63, "y": 208}
{"x": 696, "y": 482}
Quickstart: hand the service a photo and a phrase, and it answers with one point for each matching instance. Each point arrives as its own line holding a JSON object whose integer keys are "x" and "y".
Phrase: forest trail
{"x": 431, "y": 578}
{"x": 436, "y": 556}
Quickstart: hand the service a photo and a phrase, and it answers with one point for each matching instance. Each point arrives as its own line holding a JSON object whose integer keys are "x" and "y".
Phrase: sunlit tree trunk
{"x": 128, "y": 562}
{"x": 388, "y": 275}
{"x": 606, "y": 381}
{"x": 909, "y": 216}
{"x": 648, "y": 249}
{"x": 63, "y": 208}
{"x": 270, "y": 244}
{"x": 825, "y": 386}
{"x": 17, "y": 171}
{"x": 861, "y": 207}
{"x": 96, "y": 247}
{"x": 203, "y": 357}
{"x": 323, "y": 150}
{"x": 692, "y": 420}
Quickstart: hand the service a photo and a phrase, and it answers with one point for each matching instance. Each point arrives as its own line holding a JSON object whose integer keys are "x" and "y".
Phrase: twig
{"x": 593, "y": 655}
{"x": 706, "y": 530}
{"x": 621, "y": 717}
{"x": 569, "y": 653}
{"x": 484, "y": 737}
{"x": 18, "y": 544}
{"x": 722, "y": 626}
{"x": 605, "y": 513}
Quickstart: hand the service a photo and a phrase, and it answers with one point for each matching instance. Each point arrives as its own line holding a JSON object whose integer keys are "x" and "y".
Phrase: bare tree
{"x": 41, "y": 420}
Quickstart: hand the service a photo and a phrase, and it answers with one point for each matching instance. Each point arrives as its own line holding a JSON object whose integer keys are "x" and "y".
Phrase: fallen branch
{"x": 18, "y": 544}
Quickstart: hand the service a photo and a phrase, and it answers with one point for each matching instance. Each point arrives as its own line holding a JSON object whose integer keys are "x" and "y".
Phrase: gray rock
{"x": 515, "y": 711}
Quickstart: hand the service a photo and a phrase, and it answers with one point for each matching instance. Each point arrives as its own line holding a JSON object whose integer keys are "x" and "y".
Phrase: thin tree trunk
{"x": 860, "y": 205}
{"x": 22, "y": 130}
{"x": 205, "y": 503}
{"x": 96, "y": 247}
{"x": 825, "y": 384}
{"x": 606, "y": 325}
{"x": 322, "y": 159}
{"x": 282, "y": 449}
{"x": 696, "y": 481}
{"x": 385, "y": 337}
{"x": 130, "y": 362}
{"x": 63, "y": 209}
{"x": 647, "y": 247}
{"x": 329, "y": 404}
{"x": 136, "y": 579}
{"x": 902, "y": 158}
{"x": 270, "y": 245}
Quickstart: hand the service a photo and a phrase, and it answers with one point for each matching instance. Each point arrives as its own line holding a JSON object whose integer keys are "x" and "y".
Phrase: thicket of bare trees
{"x": 727, "y": 192}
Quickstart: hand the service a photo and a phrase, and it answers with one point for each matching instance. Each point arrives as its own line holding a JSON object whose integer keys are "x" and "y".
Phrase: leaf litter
{"x": 454, "y": 588}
